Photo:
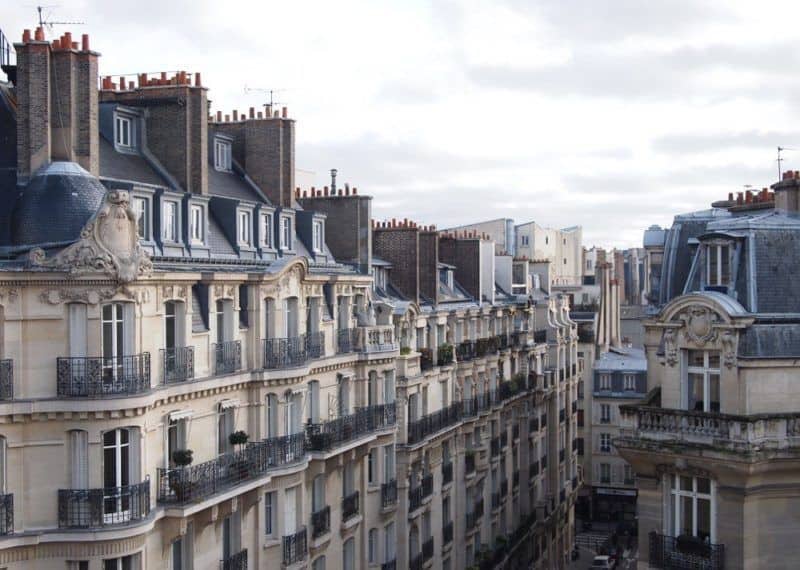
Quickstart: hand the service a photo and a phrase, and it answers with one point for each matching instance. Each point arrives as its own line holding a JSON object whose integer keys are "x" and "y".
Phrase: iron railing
{"x": 321, "y": 522}
{"x": 427, "y": 549}
{"x": 433, "y": 422}
{"x": 465, "y": 351}
{"x": 292, "y": 352}
{"x": 447, "y": 473}
{"x": 390, "y": 565}
{"x": 198, "y": 482}
{"x": 447, "y": 533}
{"x": 6, "y": 379}
{"x": 95, "y": 508}
{"x": 227, "y": 356}
{"x": 685, "y": 553}
{"x": 295, "y": 547}
{"x": 6, "y": 514}
{"x": 92, "y": 377}
{"x": 444, "y": 355}
{"x": 469, "y": 463}
{"x": 425, "y": 358}
{"x": 345, "y": 341}
{"x": 177, "y": 364}
{"x": 237, "y": 561}
{"x": 540, "y": 336}
{"x": 389, "y": 494}
{"x": 328, "y": 435}
{"x": 350, "y": 506}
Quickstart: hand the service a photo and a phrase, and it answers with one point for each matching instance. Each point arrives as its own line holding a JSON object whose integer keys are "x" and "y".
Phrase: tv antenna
{"x": 272, "y": 102}
{"x": 780, "y": 159}
{"x": 45, "y": 21}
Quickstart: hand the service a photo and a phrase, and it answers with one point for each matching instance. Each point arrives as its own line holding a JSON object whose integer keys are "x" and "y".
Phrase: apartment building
{"x": 202, "y": 367}
{"x": 714, "y": 444}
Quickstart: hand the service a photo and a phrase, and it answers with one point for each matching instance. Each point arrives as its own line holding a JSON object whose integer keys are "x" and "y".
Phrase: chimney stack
{"x": 787, "y": 192}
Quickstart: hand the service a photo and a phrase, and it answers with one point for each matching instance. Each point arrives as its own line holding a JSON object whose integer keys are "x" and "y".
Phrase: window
{"x": 222, "y": 155}
{"x": 124, "y": 563}
{"x": 169, "y": 221}
{"x": 718, "y": 265}
{"x": 388, "y": 463}
{"x": 605, "y": 472}
{"x": 270, "y": 508}
{"x": 123, "y": 132}
{"x": 116, "y": 320}
{"x": 291, "y": 520}
{"x": 141, "y": 209}
{"x": 197, "y": 224}
{"x": 349, "y": 555}
{"x": 318, "y": 236}
{"x": 692, "y": 506}
{"x": 605, "y": 442}
{"x": 702, "y": 381}
{"x": 371, "y": 475}
{"x": 628, "y": 475}
{"x": 388, "y": 543}
{"x": 286, "y": 233}
{"x": 318, "y": 564}
{"x": 605, "y": 413}
{"x": 244, "y": 228}
{"x": 225, "y": 427}
{"x": 266, "y": 234}
{"x": 605, "y": 382}
{"x": 272, "y": 415}
{"x": 372, "y": 546}
{"x": 79, "y": 459}
{"x": 77, "y": 565}
{"x": 182, "y": 551}
{"x": 629, "y": 381}
{"x": 313, "y": 401}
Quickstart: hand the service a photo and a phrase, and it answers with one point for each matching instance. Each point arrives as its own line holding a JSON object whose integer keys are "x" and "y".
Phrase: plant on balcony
{"x": 445, "y": 354}
{"x": 180, "y": 485}
{"x": 405, "y": 350}
{"x": 238, "y": 438}
{"x": 182, "y": 457}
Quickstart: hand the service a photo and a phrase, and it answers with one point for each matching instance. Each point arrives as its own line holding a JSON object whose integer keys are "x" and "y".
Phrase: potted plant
{"x": 182, "y": 457}
{"x": 240, "y": 464}
{"x": 405, "y": 350}
{"x": 238, "y": 438}
{"x": 178, "y": 479}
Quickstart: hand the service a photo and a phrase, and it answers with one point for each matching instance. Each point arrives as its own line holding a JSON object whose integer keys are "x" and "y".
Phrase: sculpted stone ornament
{"x": 670, "y": 349}
{"x": 728, "y": 340}
{"x": 699, "y": 323}
{"x": 108, "y": 244}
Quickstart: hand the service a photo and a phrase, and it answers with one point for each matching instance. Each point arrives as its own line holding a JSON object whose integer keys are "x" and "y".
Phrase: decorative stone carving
{"x": 8, "y": 295}
{"x": 70, "y": 295}
{"x": 108, "y": 244}
{"x": 224, "y": 291}
{"x": 670, "y": 348}
{"x": 699, "y": 324}
{"x": 174, "y": 292}
{"x": 728, "y": 340}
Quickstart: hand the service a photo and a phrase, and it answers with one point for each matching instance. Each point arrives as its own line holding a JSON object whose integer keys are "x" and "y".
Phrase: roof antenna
{"x": 271, "y": 92}
{"x": 780, "y": 150}
{"x": 50, "y": 23}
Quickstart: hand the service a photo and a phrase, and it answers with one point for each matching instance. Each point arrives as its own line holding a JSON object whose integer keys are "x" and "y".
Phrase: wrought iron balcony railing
{"x": 434, "y": 422}
{"x": 427, "y": 549}
{"x": 447, "y": 473}
{"x": 96, "y": 508}
{"x": 198, "y": 482}
{"x": 685, "y": 553}
{"x": 350, "y": 506}
{"x": 447, "y": 533}
{"x": 237, "y": 561}
{"x": 6, "y": 514}
{"x": 540, "y": 336}
{"x": 417, "y": 494}
{"x": 295, "y": 547}
{"x": 93, "y": 377}
{"x": 6, "y": 379}
{"x": 389, "y": 494}
{"x": 294, "y": 351}
{"x": 390, "y": 565}
{"x": 469, "y": 463}
{"x": 227, "y": 357}
{"x": 321, "y": 522}
{"x": 444, "y": 355}
{"x": 465, "y": 351}
{"x": 177, "y": 364}
{"x": 328, "y": 435}
{"x": 425, "y": 358}
{"x": 345, "y": 341}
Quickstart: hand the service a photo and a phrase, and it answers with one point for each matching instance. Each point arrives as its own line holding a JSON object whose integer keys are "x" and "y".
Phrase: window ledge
{"x": 271, "y": 542}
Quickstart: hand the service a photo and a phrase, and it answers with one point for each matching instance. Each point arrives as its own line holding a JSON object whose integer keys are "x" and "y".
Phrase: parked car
{"x": 603, "y": 562}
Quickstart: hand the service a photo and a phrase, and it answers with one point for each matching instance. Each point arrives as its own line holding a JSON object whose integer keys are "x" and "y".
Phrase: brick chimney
{"x": 399, "y": 245}
{"x": 787, "y": 192}
{"x": 265, "y": 146}
{"x": 56, "y": 103}
{"x": 465, "y": 254}
{"x": 176, "y": 121}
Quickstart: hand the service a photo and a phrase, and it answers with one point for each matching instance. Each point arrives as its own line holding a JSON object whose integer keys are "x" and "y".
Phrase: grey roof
{"x": 654, "y": 236}
{"x": 626, "y": 359}
{"x": 230, "y": 185}
{"x": 126, "y": 166}
{"x": 217, "y": 241}
{"x": 770, "y": 341}
{"x": 55, "y": 205}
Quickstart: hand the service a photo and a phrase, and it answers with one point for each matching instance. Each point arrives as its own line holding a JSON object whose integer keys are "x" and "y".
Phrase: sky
{"x": 608, "y": 114}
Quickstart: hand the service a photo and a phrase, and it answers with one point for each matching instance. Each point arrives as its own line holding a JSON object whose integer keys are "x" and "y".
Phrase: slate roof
{"x": 770, "y": 341}
{"x": 126, "y": 166}
{"x": 230, "y": 185}
{"x": 627, "y": 359}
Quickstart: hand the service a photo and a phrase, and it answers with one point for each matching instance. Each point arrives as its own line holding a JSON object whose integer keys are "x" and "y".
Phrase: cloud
{"x": 693, "y": 143}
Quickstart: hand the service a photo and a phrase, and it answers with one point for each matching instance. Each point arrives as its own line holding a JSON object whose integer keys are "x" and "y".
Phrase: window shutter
{"x": 290, "y": 511}
{"x": 134, "y": 453}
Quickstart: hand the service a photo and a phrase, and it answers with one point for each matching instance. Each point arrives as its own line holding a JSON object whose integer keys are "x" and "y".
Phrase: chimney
{"x": 177, "y": 125}
{"x": 787, "y": 192}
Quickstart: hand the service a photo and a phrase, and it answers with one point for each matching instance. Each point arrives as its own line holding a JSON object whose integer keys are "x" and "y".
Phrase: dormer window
{"x": 718, "y": 265}
{"x": 317, "y": 237}
{"x": 169, "y": 221}
{"x": 286, "y": 232}
{"x": 123, "y": 132}
{"x": 197, "y": 221}
{"x": 141, "y": 209}
{"x": 244, "y": 228}
{"x": 378, "y": 278}
{"x": 266, "y": 230}
{"x": 222, "y": 155}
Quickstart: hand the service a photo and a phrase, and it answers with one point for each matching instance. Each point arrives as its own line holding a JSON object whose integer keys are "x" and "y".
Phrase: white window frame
{"x": 170, "y": 221}
{"x": 719, "y": 251}
{"x": 707, "y": 371}
{"x": 286, "y": 232}
{"x": 266, "y": 230}
{"x": 629, "y": 382}
{"x": 222, "y": 155}
{"x": 605, "y": 418}
{"x": 676, "y": 494}
{"x": 119, "y": 138}
{"x": 605, "y": 443}
{"x": 244, "y": 227}
{"x": 605, "y": 382}
{"x": 270, "y": 512}
{"x": 141, "y": 209}
{"x": 197, "y": 223}
{"x": 318, "y": 231}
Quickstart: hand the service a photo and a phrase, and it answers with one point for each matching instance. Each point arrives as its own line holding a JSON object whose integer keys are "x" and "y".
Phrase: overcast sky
{"x": 610, "y": 114}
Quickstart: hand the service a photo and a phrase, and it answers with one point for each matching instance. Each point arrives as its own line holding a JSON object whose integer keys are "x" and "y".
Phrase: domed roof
{"x": 55, "y": 205}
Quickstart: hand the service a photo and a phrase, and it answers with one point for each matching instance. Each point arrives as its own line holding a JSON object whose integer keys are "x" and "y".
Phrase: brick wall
{"x": 429, "y": 265}
{"x": 347, "y": 233}
{"x": 269, "y": 157}
{"x": 33, "y": 104}
{"x": 465, "y": 255}
{"x": 400, "y": 247}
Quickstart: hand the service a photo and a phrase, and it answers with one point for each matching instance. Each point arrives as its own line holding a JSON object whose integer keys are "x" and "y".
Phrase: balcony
{"x": 177, "y": 364}
{"x": 389, "y": 494}
{"x": 517, "y": 339}
{"x": 447, "y": 533}
{"x": 390, "y": 565}
{"x": 329, "y": 435}
{"x": 427, "y": 549}
{"x": 97, "y": 377}
{"x": 444, "y": 355}
{"x": 433, "y": 422}
{"x": 465, "y": 351}
{"x": 540, "y": 337}
{"x": 503, "y": 439}
{"x": 425, "y": 358}
{"x": 345, "y": 341}
{"x": 482, "y": 347}
{"x": 6, "y": 379}
{"x": 417, "y": 494}
{"x": 515, "y": 478}
{"x": 227, "y": 357}
{"x": 533, "y": 469}
{"x": 494, "y": 446}
{"x": 469, "y": 462}
{"x": 515, "y": 431}
{"x": 198, "y": 482}
{"x": 6, "y": 514}
{"x": 349, "y": 506}
{"x": 685, "y": 553}
{"x": 447, "y": 473}
{"x": 292, "y": 352}
{"x": 295, "y": 547}
{"x": 236, "y": 562}
{"x": 321, "y": 522}
{"x": 97, "y": 508}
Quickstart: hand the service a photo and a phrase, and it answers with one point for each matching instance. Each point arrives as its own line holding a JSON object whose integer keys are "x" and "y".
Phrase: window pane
{"x": 695, "y": 358}
{"x": 686, "y": 526}
{"x": 686, "y": 483}
{"x": 713, "y": 396}
{"x": 696, "y": 392}
{"x": 713, "y": 360}
{"x": 704, "y": 485}
{"x": 703, "y": 518}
